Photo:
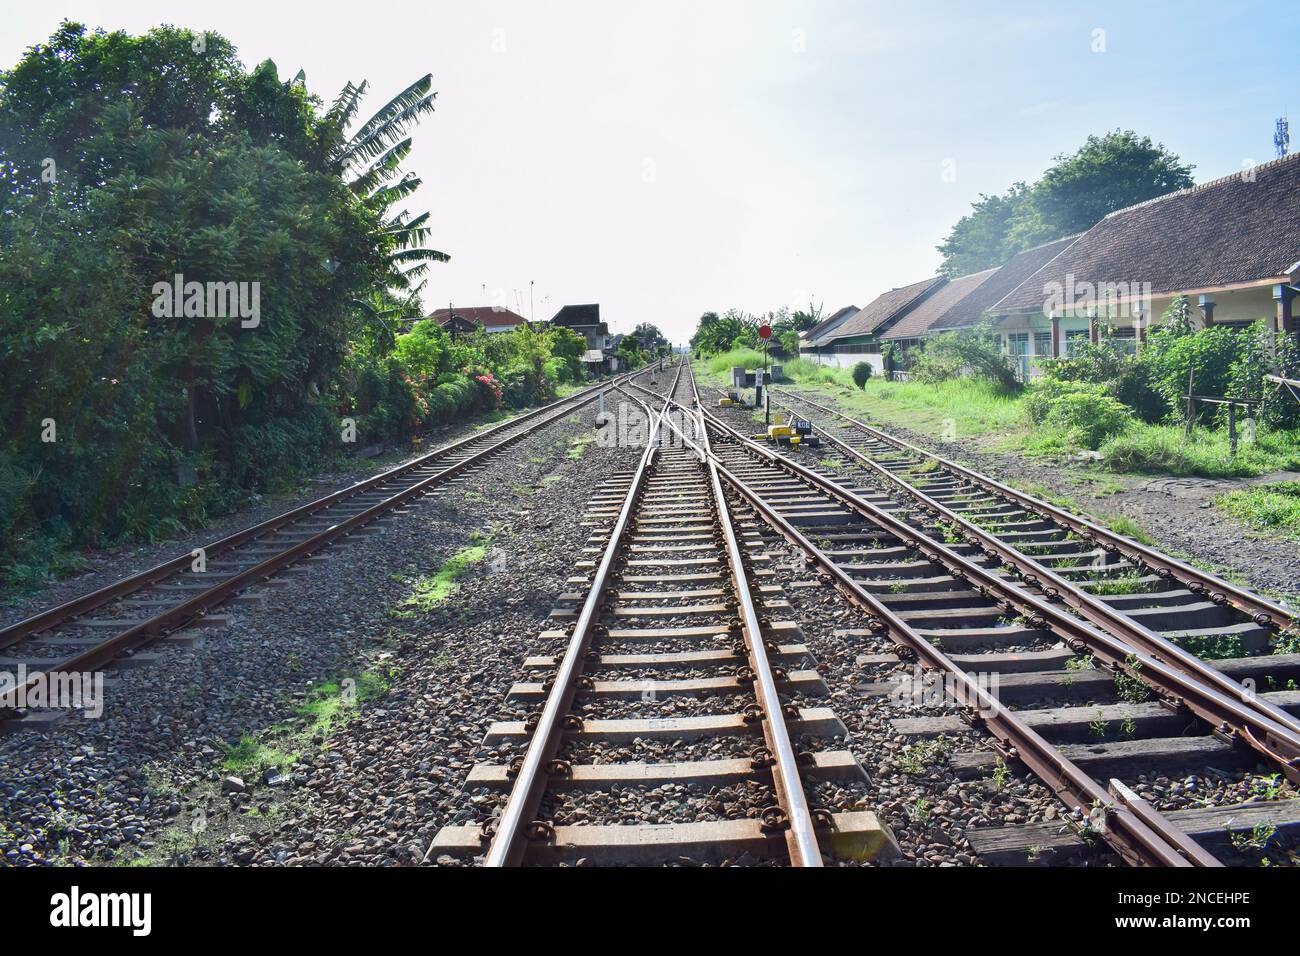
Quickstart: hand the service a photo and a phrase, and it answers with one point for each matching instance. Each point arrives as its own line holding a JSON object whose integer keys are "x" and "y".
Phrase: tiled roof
{"x": 490, "y": 316}
{"x": 1016, "y": 270}
{"x": 935, "y": 306}
{"x": 883, "y": 309}
{"x": 1243, "y": 228}
{"x": 578, "y": 315}
{"x": 825, "y": 325}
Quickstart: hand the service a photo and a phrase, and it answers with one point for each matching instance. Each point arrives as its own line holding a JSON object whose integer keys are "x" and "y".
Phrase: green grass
{"x": 431, "y": 590}
{"x": 1130, "y": 583}
{"x": 964, "y": 407}
{"x": 326, "y": 708}
{"x": 578, "y": 447}
{"x": 1273, "y": 508}
{"x": 719, "y": 366}
{"x": 1126, "y": 526}
{"x": 1161, "y": 449}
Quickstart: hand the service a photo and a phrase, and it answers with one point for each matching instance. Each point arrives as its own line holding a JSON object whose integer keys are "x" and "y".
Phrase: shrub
{"x": 862, "y": 374}
{"x": 1125, "y": 376}
{"x": 973, "y": 353}
{"x": 1088, "y": 416}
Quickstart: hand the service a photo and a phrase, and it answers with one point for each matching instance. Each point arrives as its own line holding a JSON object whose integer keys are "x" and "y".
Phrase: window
{"x": 1075, "y": 341}
{"x": 1043, "y": 343}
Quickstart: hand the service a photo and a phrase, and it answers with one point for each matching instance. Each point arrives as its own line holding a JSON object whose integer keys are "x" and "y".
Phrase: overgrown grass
{"x": 960, "y": 408}
{"x": 1162, "y": 449}
{"x": 720, "y": 365}
{"x": 1122, "y": 524}
{"x": 1272, "y": 508}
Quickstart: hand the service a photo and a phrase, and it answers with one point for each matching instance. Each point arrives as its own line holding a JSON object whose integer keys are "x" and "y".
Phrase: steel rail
{"x": 1263, "y": 611}
{"x": 1226, "y": 715}
{"x": 1054, "y": 585}
{"x": 182, "y": 613}
{"x": 78, "y": 606}
{"x": 510, "y": 842}
{"x": 1141, "y": 837}
{"x": 801, "y": 836}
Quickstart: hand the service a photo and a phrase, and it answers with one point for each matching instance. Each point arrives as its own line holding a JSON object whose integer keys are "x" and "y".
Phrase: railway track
{"x": 107, "y": 627}
{"x": 1074, "y": 698}
{"x": 672, "y": 720}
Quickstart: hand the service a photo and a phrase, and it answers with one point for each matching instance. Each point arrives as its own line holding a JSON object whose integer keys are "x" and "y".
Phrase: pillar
{"x": 1137, "y": 330}
{"x": 1207, "y": 308}
{"x": 1056, "y": 335}
{"x": 1283, "y": 320}
{"x": 1094, "y": 331}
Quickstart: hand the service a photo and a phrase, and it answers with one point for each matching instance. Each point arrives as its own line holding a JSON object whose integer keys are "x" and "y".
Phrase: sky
{"x": 669, "y": 158}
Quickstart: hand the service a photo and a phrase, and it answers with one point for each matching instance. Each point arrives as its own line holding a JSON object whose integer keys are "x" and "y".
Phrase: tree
{"x": 716, "y": 333}
{"x": 651, "y": 339}
{"x": 1107, "y": 173}
{"x": 192, "y": 166}
{"x": 979, "y": 239}
{"x": 803, "y": 320}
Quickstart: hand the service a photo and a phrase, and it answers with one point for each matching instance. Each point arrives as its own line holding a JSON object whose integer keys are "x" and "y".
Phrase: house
{"x": 1231, "y": 246}
{"x": 585, "y": 320}
{"x": 809, "y": 336}
{"x": 976, "y": 305}
{"x": 916, "y": 322}
{"x": 491, "y": 318}
{"x": 858, "y": 338}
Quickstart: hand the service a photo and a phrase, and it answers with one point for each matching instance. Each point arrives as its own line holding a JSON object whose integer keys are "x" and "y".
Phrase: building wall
{"x": 846, "y": 359}
{"x": 1236, "y": 306}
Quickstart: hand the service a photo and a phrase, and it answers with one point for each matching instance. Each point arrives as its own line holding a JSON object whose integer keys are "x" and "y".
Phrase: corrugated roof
{"x": 1240, "y": 229}
{"x": 916, "y": 321}
{"x": 1020, "y": 267}
{"x": 883, "y": 309}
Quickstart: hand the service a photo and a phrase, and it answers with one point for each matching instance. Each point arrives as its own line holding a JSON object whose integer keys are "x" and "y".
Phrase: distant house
{"x": 1231, "y": 246}
{"x": 468, "y": 318}
{"x": 858, "y": 337}
{"x": 808, "y": 337}
{"x": 916, "y": 321}
{"x": 585, "y": 320}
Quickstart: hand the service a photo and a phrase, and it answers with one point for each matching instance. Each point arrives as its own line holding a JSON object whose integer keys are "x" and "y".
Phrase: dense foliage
{"x": 738, "y": 330}
{"x": 1152, "y": 386}
{"x": 128, "y": 161}
{"x": 975, "y": 352}
{"x": 1107, "y": 173}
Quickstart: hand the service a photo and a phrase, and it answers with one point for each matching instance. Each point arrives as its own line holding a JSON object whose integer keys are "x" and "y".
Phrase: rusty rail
{"x": 1054, "y": 585}
{"x": 186, "y": 611}
{"x": 1141, "y": 838}
{"x": 510, "y": 842}
{"x": 1263, "y": 611}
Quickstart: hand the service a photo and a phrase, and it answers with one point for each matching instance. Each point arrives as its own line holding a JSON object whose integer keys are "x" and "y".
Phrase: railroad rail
{"x": 1125, "y": 615}
{"x": 669, "y": 554}
{"x": 922, "y": 592}
{"x": 106, "y": 624}
{"x": 1260, "y": 610}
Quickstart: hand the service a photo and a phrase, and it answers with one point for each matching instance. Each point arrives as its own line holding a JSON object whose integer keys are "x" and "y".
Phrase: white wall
{"x": 847, "y": 359}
